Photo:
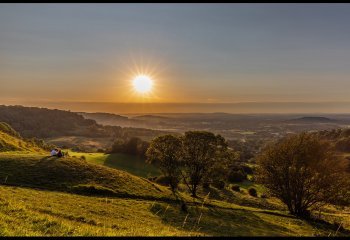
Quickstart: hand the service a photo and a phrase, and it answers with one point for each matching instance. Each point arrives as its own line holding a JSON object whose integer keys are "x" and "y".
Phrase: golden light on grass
{"x": 142, "y": 84}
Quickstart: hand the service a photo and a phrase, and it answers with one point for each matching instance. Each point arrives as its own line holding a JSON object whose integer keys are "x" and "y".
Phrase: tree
{"x": 303, "y": 172}
{"x": 165, "y": 151}
{"x": 201, "y": 152}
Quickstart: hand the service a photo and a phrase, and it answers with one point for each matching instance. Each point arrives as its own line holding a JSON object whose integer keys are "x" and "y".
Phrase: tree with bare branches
{"x": 304, "y": 173}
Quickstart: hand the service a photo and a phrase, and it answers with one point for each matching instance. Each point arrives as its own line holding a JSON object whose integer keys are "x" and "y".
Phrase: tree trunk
{"x": 194, "y": 191}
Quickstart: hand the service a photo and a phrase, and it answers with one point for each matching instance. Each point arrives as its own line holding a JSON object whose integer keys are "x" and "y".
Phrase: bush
{"x": 252, "y": 192}
{"x": 263, "y": 196}
{"x": 247, "y": 169}
{"x": 163, "y": 180}
{"x": 236, "y": 188}
{"x": 153, "y": 179}
{"x": 82, "y": 157}
{"x": 237, "y": 176}
{"x": 219, "y": 184}
{"x": 206, "y": 185}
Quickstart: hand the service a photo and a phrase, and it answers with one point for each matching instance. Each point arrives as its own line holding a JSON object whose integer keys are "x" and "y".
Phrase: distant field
{"x": 87, "y": 143}
{"x": 132, "y": 164}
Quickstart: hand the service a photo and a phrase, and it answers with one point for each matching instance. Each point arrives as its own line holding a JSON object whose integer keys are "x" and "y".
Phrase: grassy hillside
{"x": 10, "y": 140}
{"x": 76, "y": 175}
{"x": 129, "y": 163}
{"x": 28, "y": 212}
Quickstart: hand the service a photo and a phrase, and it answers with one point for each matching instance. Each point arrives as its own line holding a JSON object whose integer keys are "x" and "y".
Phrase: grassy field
{"x": 132, "y": 164}
{"x": 29, "y": 212}
{"x": 74, "y": 174}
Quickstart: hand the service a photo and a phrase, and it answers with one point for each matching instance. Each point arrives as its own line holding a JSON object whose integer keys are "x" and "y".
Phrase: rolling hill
{"x": 10, "y": 140}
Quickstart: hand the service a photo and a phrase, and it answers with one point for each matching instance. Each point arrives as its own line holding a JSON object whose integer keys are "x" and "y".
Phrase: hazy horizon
{"x": 233, "y": 108}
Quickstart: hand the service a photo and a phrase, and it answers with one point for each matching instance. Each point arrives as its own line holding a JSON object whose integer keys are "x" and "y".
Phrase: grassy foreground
{"x": 29, "y": 212}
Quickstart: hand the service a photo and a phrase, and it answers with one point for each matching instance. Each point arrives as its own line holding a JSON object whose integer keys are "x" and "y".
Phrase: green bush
{"x": 252, "y": 192}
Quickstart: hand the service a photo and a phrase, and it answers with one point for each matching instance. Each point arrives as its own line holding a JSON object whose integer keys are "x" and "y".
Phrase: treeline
{"x": 247, "y": 149}
{"x": 47, "y": 123}
{"x": 339, "y": 138}
{"x": 133, "y": 146}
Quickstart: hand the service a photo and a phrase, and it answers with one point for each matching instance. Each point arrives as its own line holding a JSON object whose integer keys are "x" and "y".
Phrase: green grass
{"x": 69, "y": 174}
{"x": 28, "y": 212}
{"x": 132, "y": 164}
{"x": 13, "y": 143}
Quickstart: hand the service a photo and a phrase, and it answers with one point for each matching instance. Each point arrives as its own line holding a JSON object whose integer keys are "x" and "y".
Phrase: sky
{"x": 195, "y": 53}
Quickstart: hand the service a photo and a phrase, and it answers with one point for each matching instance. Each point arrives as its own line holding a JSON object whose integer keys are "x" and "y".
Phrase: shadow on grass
{"x": 326, "y": 226}
{"x": 218, "y": 221}
{"x": 132, "y": 164}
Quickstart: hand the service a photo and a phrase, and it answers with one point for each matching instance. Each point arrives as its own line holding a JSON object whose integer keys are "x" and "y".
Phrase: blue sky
{"x": 195, "y": 52}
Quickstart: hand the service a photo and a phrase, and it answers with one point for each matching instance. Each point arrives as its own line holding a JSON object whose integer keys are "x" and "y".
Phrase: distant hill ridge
{"x": 103, "y": 116}
{"x": 313, "y": 119}
{"x": 50, "y": 123}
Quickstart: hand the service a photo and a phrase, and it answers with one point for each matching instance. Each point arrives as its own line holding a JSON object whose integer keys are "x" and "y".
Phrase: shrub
{"x": 219, "y": 184}
{"x": 252, "y": 192}
{"x": 236, "y": 188}
{"x": 152, "y": 179}
{"x": 163, "y": 180}
{"x": 82, "y": 157}
{"x": 206, "y": 185}
{"x": 247, "y": 169}
{"x": 263, "y": 195}
{"x": 237, "y": 176}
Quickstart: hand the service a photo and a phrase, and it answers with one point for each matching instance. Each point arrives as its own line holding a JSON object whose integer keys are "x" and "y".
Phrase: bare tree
{"x": 304, "y": 172}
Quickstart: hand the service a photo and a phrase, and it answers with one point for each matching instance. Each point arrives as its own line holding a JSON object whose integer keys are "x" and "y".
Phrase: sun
{"x": 142, "y": 84}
